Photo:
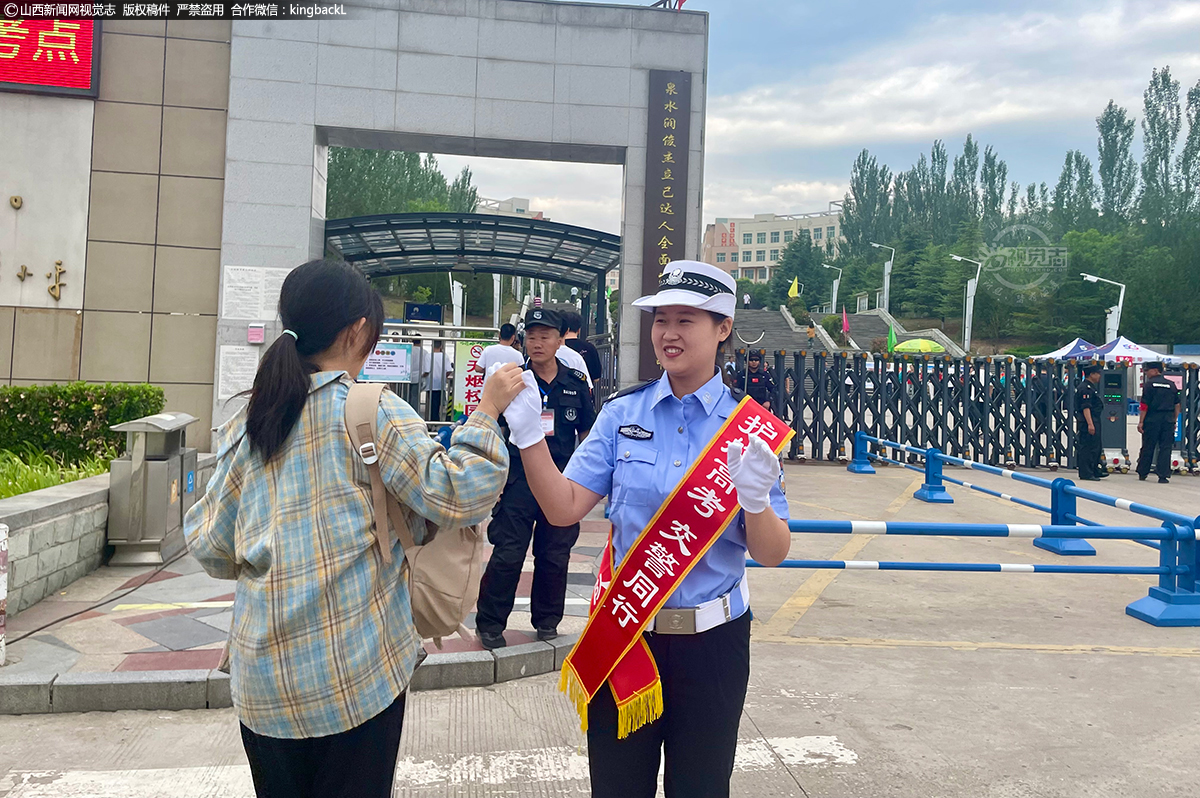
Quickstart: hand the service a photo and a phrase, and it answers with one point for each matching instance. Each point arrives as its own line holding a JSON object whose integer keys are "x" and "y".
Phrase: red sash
{"x": 689, "y": 522}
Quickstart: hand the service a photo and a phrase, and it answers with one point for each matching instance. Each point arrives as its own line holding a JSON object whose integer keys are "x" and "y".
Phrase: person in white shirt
{"x": 435, "y": 374}
{"x": 507, "y": 351}
{"x": 572, "y": 359}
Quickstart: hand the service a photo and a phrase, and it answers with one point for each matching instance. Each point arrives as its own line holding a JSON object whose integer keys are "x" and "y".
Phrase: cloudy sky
{"x": 796, "y": 89}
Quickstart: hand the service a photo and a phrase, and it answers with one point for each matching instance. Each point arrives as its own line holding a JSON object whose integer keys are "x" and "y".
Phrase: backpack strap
{"x": 362, "y": 409}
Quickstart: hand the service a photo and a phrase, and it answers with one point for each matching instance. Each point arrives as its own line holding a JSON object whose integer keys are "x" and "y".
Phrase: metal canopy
{"x": 414, "y": 243}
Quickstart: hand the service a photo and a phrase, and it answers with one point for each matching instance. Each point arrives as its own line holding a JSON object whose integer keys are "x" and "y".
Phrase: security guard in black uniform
{"x": 1157, "y": 416}
{"x": 1088, "y": 405}
{"x": 756, "y": 381}
{"x": 567, "y": 415}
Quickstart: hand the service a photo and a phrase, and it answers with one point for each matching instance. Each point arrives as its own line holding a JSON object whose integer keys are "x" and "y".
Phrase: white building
{"x": 513, "y": 206}
{"x": 749, "y": 248}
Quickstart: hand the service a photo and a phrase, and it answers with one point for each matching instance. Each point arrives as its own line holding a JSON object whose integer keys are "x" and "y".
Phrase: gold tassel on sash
{"x": 644, "y": 708}
{"x": 569, "y": 683}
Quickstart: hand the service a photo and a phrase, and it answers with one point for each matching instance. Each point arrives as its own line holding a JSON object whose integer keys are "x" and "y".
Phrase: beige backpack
{"x": 444, "y": 572}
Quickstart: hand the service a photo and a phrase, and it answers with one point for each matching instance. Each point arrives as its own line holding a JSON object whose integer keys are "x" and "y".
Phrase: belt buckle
{"x": 675, "y": 622}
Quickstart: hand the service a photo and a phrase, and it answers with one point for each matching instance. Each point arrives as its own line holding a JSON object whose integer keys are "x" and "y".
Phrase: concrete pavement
{"x": 863, "y": 683}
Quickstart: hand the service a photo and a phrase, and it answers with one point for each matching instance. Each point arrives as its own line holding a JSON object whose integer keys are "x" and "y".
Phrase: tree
{"x": 1074, "y": 197}
{"x": 800, "y": 260}
{"x": 1118, "y": 172}
{"x": 1188, "y": 167}
{"x": 1160, "y": 132}
{"x": 934, "y": 191}
{"x": 866, "y": 212}
{"x": 993, "y": 181}
{"x": 963, "y": 191}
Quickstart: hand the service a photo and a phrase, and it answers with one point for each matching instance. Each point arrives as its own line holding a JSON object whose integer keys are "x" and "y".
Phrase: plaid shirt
{"x": 322, "y": 637}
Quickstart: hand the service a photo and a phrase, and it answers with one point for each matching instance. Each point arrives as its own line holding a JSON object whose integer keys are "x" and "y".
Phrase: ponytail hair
{"x": 317, "y": 302}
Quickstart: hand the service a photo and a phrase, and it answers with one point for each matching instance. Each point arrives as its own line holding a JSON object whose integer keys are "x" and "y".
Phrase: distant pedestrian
{"x": 591, "y": 356}
{"x": 507, "y": 351}
{"x": 1088, "y": 405}
{"x": 1157, "y": 416}
{"x": 756, "y": 381}
{"x": 746, "y": 301}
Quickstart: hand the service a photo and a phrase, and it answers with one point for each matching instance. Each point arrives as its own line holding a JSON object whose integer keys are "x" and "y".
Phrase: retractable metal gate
{"x": 996, "y": 410}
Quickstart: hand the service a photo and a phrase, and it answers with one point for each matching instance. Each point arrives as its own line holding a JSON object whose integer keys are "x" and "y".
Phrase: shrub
{"x": 71, "y": 422}
{"x": 833, "y": 325}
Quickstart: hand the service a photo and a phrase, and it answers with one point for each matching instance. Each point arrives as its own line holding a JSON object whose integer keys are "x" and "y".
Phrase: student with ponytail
{"x": 322, "y": 642}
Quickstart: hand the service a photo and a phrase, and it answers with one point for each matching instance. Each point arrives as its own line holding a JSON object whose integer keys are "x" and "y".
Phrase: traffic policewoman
{"x": 644, "y": 442}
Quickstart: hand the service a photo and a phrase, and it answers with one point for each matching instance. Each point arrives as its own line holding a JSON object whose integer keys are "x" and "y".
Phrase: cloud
{"x": 587, "y": 195}
{"x": 740, "y": 198}
{"x": 958, "y": 73}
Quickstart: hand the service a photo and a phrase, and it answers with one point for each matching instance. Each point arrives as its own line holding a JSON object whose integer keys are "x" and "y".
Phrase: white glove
{"x": 524, "y": 415}
{"x": 753, "y": 472}
{"x": 492, "y": 369}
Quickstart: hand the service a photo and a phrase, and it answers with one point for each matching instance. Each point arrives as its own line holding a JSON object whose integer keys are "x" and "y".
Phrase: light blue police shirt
{"x": 638, "y": 471}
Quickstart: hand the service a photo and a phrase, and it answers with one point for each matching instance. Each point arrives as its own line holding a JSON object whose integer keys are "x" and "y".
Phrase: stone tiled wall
{"x": 153, "y": 200}
{"x": 55, "y": 553}
{"x": 56, "y": 536}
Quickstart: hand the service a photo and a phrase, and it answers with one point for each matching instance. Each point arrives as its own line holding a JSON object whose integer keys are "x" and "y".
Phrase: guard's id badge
{"x": 548, "y": 422}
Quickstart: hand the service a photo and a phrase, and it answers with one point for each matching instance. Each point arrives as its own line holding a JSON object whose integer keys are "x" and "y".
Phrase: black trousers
{"x": 704, "y": 681}
{"x": 1158, "y": 430}
{"x": 516, "y": 520}
{"x": 1087, "y": 455}
{"x": 437, "y": 405}
{"x": 357, "y": 763}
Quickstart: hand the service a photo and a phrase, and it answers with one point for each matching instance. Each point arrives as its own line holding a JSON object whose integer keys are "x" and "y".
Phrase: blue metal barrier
{"x": 1173, "y": 602}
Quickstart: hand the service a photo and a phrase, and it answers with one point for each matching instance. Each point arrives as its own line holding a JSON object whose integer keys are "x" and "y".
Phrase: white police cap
{"x": 693, "y": 284}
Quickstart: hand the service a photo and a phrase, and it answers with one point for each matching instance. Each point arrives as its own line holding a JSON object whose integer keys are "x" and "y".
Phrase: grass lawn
{"x": 34, "y": 471}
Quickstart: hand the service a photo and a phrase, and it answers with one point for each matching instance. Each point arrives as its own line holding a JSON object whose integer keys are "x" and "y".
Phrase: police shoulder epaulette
{"x": 579, "y": 375}
{"x": 631, "y": 389}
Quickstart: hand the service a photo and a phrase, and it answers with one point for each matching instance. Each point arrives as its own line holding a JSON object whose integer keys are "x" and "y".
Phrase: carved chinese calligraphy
{"x": 55, "y": 290}
{"x": 668, "y": 129}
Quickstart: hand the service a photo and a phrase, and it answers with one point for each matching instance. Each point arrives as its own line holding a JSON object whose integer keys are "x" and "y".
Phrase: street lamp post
{"x": 969, "y": 309}
{"x": 887, "y": 276}
{"x": 836, "y": 282}
{"x": 1112, "y": 316}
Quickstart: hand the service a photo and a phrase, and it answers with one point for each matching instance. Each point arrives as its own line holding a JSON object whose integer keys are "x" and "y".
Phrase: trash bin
{"x": 150, "y": 488}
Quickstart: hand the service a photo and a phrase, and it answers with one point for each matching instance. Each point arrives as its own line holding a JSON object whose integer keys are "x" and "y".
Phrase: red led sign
{"x": 51, "y": 56}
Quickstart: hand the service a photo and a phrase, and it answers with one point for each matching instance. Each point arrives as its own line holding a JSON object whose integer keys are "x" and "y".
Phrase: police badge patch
{"x": 569, "y": 414}
{"x": 636, "y": 432}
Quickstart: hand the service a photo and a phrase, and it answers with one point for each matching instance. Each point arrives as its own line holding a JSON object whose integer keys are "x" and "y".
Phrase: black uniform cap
{"x": 1092, "y": 368}
{"x": 543, "y": 317}
{"x": 1153, "y": 364}
{"x": 754, "y": 356}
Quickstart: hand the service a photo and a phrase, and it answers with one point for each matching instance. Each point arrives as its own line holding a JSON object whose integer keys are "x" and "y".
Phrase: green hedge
{"x": 72, "y": 421}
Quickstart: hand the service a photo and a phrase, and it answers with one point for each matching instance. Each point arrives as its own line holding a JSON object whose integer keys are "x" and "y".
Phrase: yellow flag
{"x": 794, "y": 291}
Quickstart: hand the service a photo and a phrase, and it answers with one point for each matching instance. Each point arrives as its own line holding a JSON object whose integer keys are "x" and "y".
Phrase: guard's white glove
{"x": 753, "y": 472}
{"x": 524, "y": 415}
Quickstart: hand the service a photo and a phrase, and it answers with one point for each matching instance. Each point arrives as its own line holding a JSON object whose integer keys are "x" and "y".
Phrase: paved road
{"x": 879, "y": 684}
